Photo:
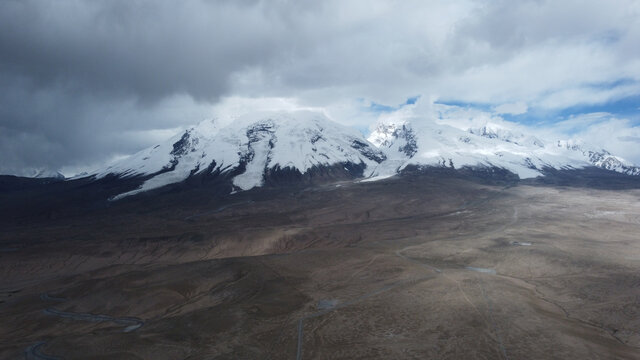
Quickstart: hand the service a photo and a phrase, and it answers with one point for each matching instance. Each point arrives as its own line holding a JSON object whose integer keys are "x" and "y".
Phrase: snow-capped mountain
{"x": 253, "y": 149}
{"x": 264, "y": 148}
{"x": 601, "y": 158}
{"x": 44, "y": 173}
{"x": 406, "y": 142}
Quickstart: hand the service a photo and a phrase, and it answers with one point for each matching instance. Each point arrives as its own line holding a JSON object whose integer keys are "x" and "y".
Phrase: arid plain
{"x": 406, "y": 268}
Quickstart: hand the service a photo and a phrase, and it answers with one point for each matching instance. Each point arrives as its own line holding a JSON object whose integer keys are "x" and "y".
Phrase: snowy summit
{"x": 267, "y": 147}
{"x": 251, "y": 150}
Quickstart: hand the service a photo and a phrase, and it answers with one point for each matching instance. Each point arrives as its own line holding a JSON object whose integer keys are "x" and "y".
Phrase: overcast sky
{"x": 82, "y": 82}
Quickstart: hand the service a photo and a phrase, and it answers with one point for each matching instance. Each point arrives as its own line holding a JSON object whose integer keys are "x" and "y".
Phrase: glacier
{"x": 251, "y": 148}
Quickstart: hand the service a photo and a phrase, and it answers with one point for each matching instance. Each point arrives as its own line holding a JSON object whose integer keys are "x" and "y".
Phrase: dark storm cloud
{"x": 68, "y": 68}
{"x": 148, "y": 49}
{"x": 44, "y": 128}
{"x": 83, "y": 81}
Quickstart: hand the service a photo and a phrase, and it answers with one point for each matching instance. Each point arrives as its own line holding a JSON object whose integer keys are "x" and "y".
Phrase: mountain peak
{"x": 261, "y": 148}
{"x": 488, "y": 145}
{"x": 252, "y": 149}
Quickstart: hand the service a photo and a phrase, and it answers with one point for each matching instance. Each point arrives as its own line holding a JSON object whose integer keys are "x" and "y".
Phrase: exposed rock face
{"x": 284, "y": 148}
{"x": 254, "y": 150}
{"x": 427, "y": 145}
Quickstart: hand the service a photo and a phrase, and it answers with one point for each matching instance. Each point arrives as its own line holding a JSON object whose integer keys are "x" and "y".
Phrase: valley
{"x": 416, "y": 266}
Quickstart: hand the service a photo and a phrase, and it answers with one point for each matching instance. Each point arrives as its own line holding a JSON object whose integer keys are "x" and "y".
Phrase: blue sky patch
{"x": 628, "y": 108}
{"x": 381, "y": 108}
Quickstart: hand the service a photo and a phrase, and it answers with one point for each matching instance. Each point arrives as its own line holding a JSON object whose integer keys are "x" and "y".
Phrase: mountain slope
{"x": 251, "y": 150}
{"x": 413, "y": 142}
{"x": 291, "y": 147}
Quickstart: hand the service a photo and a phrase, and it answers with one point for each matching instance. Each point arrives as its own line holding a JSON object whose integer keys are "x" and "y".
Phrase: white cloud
{"x": 515, "y": 56}
{"x": 517, "y": 108}
{"x": 600, "y": 130}
{"x": 619, "y": 136}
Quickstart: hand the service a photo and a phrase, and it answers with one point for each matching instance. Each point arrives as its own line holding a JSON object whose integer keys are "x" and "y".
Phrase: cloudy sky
{"x": 83, "y": 82}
